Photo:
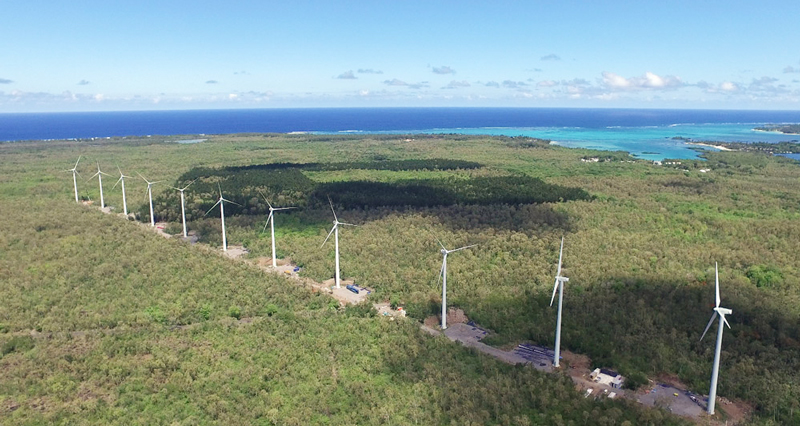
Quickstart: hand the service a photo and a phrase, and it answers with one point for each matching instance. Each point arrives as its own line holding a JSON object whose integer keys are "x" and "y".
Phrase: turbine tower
{"x": 335, "y": 232}
{"x": 221, "y": 203}
{"x": 559, "y": 286}
{"x": 443, "y": 276}
{"x": 183, "y": 206}
{"x": 99, "y": 175}
{"x": 150, "y": 196}
{"x": 74, "y": 171}
{"x": 122, "y": 181}
{"x": 271, "y": 222}
{"x": 721, "y": 312}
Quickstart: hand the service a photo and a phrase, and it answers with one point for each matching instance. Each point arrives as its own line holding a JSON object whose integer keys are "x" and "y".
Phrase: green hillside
{"x": 131, "y": 327}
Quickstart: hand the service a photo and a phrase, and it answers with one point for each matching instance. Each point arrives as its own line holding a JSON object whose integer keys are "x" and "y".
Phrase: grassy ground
{"x": 639, "y": 256}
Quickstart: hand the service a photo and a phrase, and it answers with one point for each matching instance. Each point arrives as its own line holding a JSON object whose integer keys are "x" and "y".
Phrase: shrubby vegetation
{"x": 140, "y": 322}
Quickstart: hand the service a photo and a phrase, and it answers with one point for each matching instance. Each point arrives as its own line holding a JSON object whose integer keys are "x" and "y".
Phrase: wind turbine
{"x": 559, "y": 286}
{"x": 721, "y": 312}
{"x": 183, "y": 206}
{"x": 222, "y": 215}
{"x": 150, "y": 196}
{"x": 443, "y": 276}
{"x": 99, "y": 175}
{"x": 74, "y": 171}
{"x": 122, "y": 181}
{"x": 335, "y": 231}
{"x": 271, "y": 222}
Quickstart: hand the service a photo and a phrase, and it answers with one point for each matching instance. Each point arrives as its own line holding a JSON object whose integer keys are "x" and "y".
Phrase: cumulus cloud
{"x": 547, "y": 83}
{"x": 648, "y": 81}
{"x": 513, "y": 84}
{"x": 492, "y": 84}
{"x": 369, "y": 71}
{"x": 763, "y": 81}
{"x": 729, "y": 86}
{"x": 5, "y": 81}
{"x": 83, "y": 82}
{"x": 395, "y": 82}
{"x": 577, "y": 82}
{"x": 212, "y": 82}
{"x": 443, "y": 70}
{"x": 398, "y": 82}
{"x": 347, "y": 75}
{"x": 551, "y": 57}
{"x": 457, "y": 84}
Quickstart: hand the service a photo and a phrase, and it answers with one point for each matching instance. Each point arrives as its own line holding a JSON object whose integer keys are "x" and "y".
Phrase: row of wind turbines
{"x": 719, "y": 312}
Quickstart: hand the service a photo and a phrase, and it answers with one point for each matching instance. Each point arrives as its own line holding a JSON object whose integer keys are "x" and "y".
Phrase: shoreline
{"x": 719, "y": 147}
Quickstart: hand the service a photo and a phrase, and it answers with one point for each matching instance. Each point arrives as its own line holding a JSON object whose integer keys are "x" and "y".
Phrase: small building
{"x": 607, "y": 377}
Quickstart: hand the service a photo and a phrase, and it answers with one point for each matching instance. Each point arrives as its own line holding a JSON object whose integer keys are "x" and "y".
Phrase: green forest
{"x": 103, "y": 321}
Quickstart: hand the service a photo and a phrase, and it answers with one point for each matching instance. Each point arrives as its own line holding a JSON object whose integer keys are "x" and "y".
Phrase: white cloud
{"x": 347, "y": 75}
{"x": 790, "y": 69}
{"x": 457, "y": 84}
{"x": 729, "y": 86}
{"x": 551, "y": 57}
{"x": 395, "y": 82}
{"x": 369, "y": 71}
{"x": 547, "y": 83}
{"x": 509, "y": 84}
{"x": 648, "y": 81}
{"x": 443, "y": 70}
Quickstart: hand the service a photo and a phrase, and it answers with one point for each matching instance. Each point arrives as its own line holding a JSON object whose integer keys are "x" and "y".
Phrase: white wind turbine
{"x": 150, "y": 197}
{"x": 443, "y": 276}
{"x": 721, "y": 312}
{"x": 99, "y": 175}
{"x": 74, "y": 171}
{"x": 122, "y": 181}
{"x": 271, "y": 222}
{"x": 335, "y": 231}
{"x": 222, "y": 215}
{"x": 559, "y": 286}
{"x": 183, "y": 206}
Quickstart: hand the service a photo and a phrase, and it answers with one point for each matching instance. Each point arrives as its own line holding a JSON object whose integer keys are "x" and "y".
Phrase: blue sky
{"x": 101, "y": 55}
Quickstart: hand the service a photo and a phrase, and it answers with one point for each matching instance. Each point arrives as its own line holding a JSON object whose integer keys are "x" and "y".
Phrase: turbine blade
{"x": 441, "y": 273}
{"x": 265, "y": 199}
{"x": 348, "y": 224}
{"x": 212, "y": 207}
{"x": 440, "y": 243}
{"x": 118, "y": 181}
{"x": 334, "y": 211}
{"x": 329, "y": 235}
{"x": 555, "y": 289}
{"x": 708, "y": 326}
{"x": 560, "y": 254}
{"x": 716, "y": 271}
{"x": 462, "y": 248}
{"x": 267, "y": 223}
{"x": 229, "y": 201}
{"x": 190, "y": 183}
{"x": 725, "y": 320}
{"x": 148, "y": 182}
{"x": 79, "y": 160}
{"x": 284, "y": 208}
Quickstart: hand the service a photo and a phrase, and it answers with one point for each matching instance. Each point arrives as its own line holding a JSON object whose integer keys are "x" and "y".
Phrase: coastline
{"x": 719, "y": 147}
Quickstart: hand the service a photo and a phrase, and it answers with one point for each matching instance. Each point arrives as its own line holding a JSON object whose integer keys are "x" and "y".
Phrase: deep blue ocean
{"x": 645, "y": 133}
